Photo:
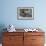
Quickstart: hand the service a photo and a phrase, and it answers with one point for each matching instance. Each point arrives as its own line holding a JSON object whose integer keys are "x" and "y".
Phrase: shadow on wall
{"x": 2, "y": 26}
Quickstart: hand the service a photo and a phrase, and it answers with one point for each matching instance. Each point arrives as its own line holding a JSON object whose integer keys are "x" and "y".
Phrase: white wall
{"x": 9, "y": 13}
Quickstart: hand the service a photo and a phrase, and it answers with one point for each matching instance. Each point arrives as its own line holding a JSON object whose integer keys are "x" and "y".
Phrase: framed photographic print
{"x": 25, "y": 13}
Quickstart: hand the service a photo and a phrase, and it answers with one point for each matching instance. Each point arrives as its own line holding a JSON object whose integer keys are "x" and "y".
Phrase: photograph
{"x": 25, "y": 13}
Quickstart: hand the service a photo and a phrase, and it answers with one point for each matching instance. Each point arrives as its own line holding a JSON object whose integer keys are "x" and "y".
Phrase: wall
{"x": 8, "y": 13}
